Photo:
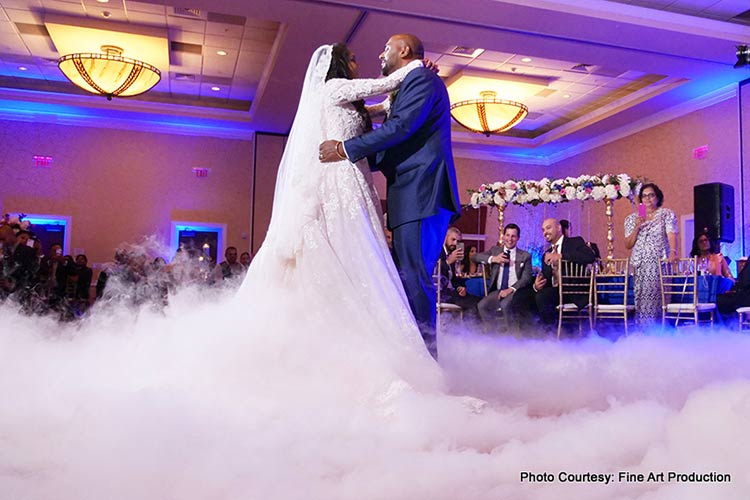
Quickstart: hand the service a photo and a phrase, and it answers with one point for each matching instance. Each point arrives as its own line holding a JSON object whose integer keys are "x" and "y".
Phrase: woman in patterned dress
{"x": 651, "y": 238}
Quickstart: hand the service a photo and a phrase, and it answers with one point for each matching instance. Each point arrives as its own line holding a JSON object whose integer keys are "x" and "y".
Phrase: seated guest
{"x": 469, "y": 267}
{"x": 738, "y": 296}
{"x": 452, "y": 287}
{"x": 571, "y": 249}
{"x": 567, "y": 229}
{"x": 510, "y": 277}
{"x": 709, "y": 258}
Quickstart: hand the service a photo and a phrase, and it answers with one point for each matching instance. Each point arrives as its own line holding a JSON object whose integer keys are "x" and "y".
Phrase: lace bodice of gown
{"x": 341, "y": 120}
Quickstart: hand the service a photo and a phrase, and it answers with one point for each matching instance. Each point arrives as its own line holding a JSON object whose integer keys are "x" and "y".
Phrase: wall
{"x": 119, "y": 186}
{"x": 663, "y": 154}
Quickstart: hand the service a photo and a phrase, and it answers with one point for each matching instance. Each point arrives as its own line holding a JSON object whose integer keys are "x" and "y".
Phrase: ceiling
{"x": 606, "y": 68}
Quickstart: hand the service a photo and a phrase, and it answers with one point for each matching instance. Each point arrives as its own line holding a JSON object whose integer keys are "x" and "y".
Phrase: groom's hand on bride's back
{"x": 330, "y": 151}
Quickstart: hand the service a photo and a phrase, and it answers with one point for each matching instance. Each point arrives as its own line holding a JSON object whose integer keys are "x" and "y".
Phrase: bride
{"x": 325, "y": 247}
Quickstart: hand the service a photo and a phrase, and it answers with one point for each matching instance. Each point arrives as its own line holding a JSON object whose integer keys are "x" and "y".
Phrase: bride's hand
{"x": 431, "y": 66}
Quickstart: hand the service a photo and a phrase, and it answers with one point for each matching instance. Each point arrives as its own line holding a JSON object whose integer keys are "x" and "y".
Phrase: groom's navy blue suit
{"x": 414, "y": 153}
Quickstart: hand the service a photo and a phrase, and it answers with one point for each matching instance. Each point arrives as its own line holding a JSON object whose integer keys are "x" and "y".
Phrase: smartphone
{"x": 641, "y": 210}
{"x": 460, "y": 246}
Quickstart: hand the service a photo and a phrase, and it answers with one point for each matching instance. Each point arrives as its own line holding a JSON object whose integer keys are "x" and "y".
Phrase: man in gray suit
{"x": 510, "y": 277}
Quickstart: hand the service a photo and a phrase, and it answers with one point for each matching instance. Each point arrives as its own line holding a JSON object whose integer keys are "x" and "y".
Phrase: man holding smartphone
{"x": 452, "y": 285}
{"x": 510, "y": 278}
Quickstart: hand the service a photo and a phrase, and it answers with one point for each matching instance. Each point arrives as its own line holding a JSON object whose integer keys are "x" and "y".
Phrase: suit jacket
{"x": 414, "y": 150}
{"x": 574, "y": 249}
{"x": 524, "y": 271}
{"x": 448, "y": 274}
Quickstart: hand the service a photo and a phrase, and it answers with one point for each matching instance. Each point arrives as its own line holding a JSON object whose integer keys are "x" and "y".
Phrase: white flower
{"x": 475, "y": 200}
{"x": 581, "y": 193}
{"x": 555, "y": 197}
{"x": 497, "y": 186}
{"x": 605, "y": 179}
{"x": 510, "y": 185}
{"x": 544, "y": 195}
{"x": 596, "y": 179}
{"x": 598, "y": 193}
{"x": 624, "y": 190}
{"x": 498, "y": 200}
{"x": 532, "y": 194}
{"x": 570, "y": 193}
{"x": 544, "y": 182}
{"x": 520, "y": 199}
{"x": 611, "y": 191}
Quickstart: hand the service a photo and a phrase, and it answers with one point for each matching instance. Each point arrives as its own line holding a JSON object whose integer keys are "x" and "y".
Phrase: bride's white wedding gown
{"x": 341, "y": 280}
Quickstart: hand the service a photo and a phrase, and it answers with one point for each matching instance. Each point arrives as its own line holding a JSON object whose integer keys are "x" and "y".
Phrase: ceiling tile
{"x": 106, "y": 13}
{"x": 260, "y": 35}
{"x": 40, "y": 46}
{"x": 21, "y": 4}
{"x": 257, "y": 46}
{"x": 206, "y": 90}
{"x": 11, "y": 43}
{"x": 260, "y": 24}
{"x": 7, "y": 27}
{"x": 64, "y": 7}
{"x": 182, "y": 36}
{"x": 194, "y": 25}
{"x": 147, "y": 18}
{"x": 145, "y": 7}
{"x": 184, "y": 61}
{"x": 223, "y": 29}
{"x": 218, "y": 66}
{"x": 222, "y": 42}
{"x": 492, "y": 55}
{"x": 24, "y": 16}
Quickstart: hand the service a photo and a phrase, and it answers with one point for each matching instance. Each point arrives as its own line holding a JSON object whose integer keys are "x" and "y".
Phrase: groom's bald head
{"x": 399, "y": 51}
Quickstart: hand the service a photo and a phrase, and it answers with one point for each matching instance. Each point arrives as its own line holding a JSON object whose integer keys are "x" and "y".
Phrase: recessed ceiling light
{"x": 22, "y": 68}
{"x": 526, "y": 59}
{"x": 103, "y": 1}
{"x": 221, "y": 52}
{"x": 566, "y": 96}
{"x": 216, "y": 89}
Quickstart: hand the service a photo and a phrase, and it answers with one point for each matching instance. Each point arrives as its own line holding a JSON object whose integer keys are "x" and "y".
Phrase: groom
{"x": 414, "y": 153}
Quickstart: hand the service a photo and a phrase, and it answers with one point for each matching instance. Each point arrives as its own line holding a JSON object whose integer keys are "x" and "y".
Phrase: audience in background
{"x": 710, "y": 260}
{"x": 452, "y": 285}
{"x": 469, "y": 267}
{"x": 567, "y": 230}
{"x": 245, "y": 259}
{"x": 651, "y": 235}
{"x": 229, "y": 268}
{"x": 510, "y": 278}
{"x": 561, "y": 248}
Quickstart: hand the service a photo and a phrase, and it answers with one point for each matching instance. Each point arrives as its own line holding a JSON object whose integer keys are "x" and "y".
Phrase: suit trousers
{"x": 416, "y": 248}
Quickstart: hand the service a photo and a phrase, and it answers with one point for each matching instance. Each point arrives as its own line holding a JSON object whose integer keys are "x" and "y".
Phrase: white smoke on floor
{"x": 201, "y": 401}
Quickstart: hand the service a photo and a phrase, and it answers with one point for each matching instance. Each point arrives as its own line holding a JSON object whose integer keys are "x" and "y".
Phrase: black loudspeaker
{"x": 713, "y": 205}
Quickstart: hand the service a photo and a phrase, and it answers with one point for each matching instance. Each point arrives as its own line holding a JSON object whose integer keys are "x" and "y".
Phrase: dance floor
{"x": 172, "y": 406}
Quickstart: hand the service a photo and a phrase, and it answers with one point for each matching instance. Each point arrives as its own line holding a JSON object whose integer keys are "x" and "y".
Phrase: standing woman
{"x": 651, "y": 238}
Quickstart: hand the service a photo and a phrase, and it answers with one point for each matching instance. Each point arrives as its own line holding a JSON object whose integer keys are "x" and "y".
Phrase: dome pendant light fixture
{"x": 109, "y": 73}
{"x": 488, "y": 115}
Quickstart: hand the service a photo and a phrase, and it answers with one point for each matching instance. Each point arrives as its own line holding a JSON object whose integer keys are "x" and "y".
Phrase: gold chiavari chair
{"x": 679, "y": 293}
{"x": 575, "y": 282}
{"x": 611, "y": 280}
